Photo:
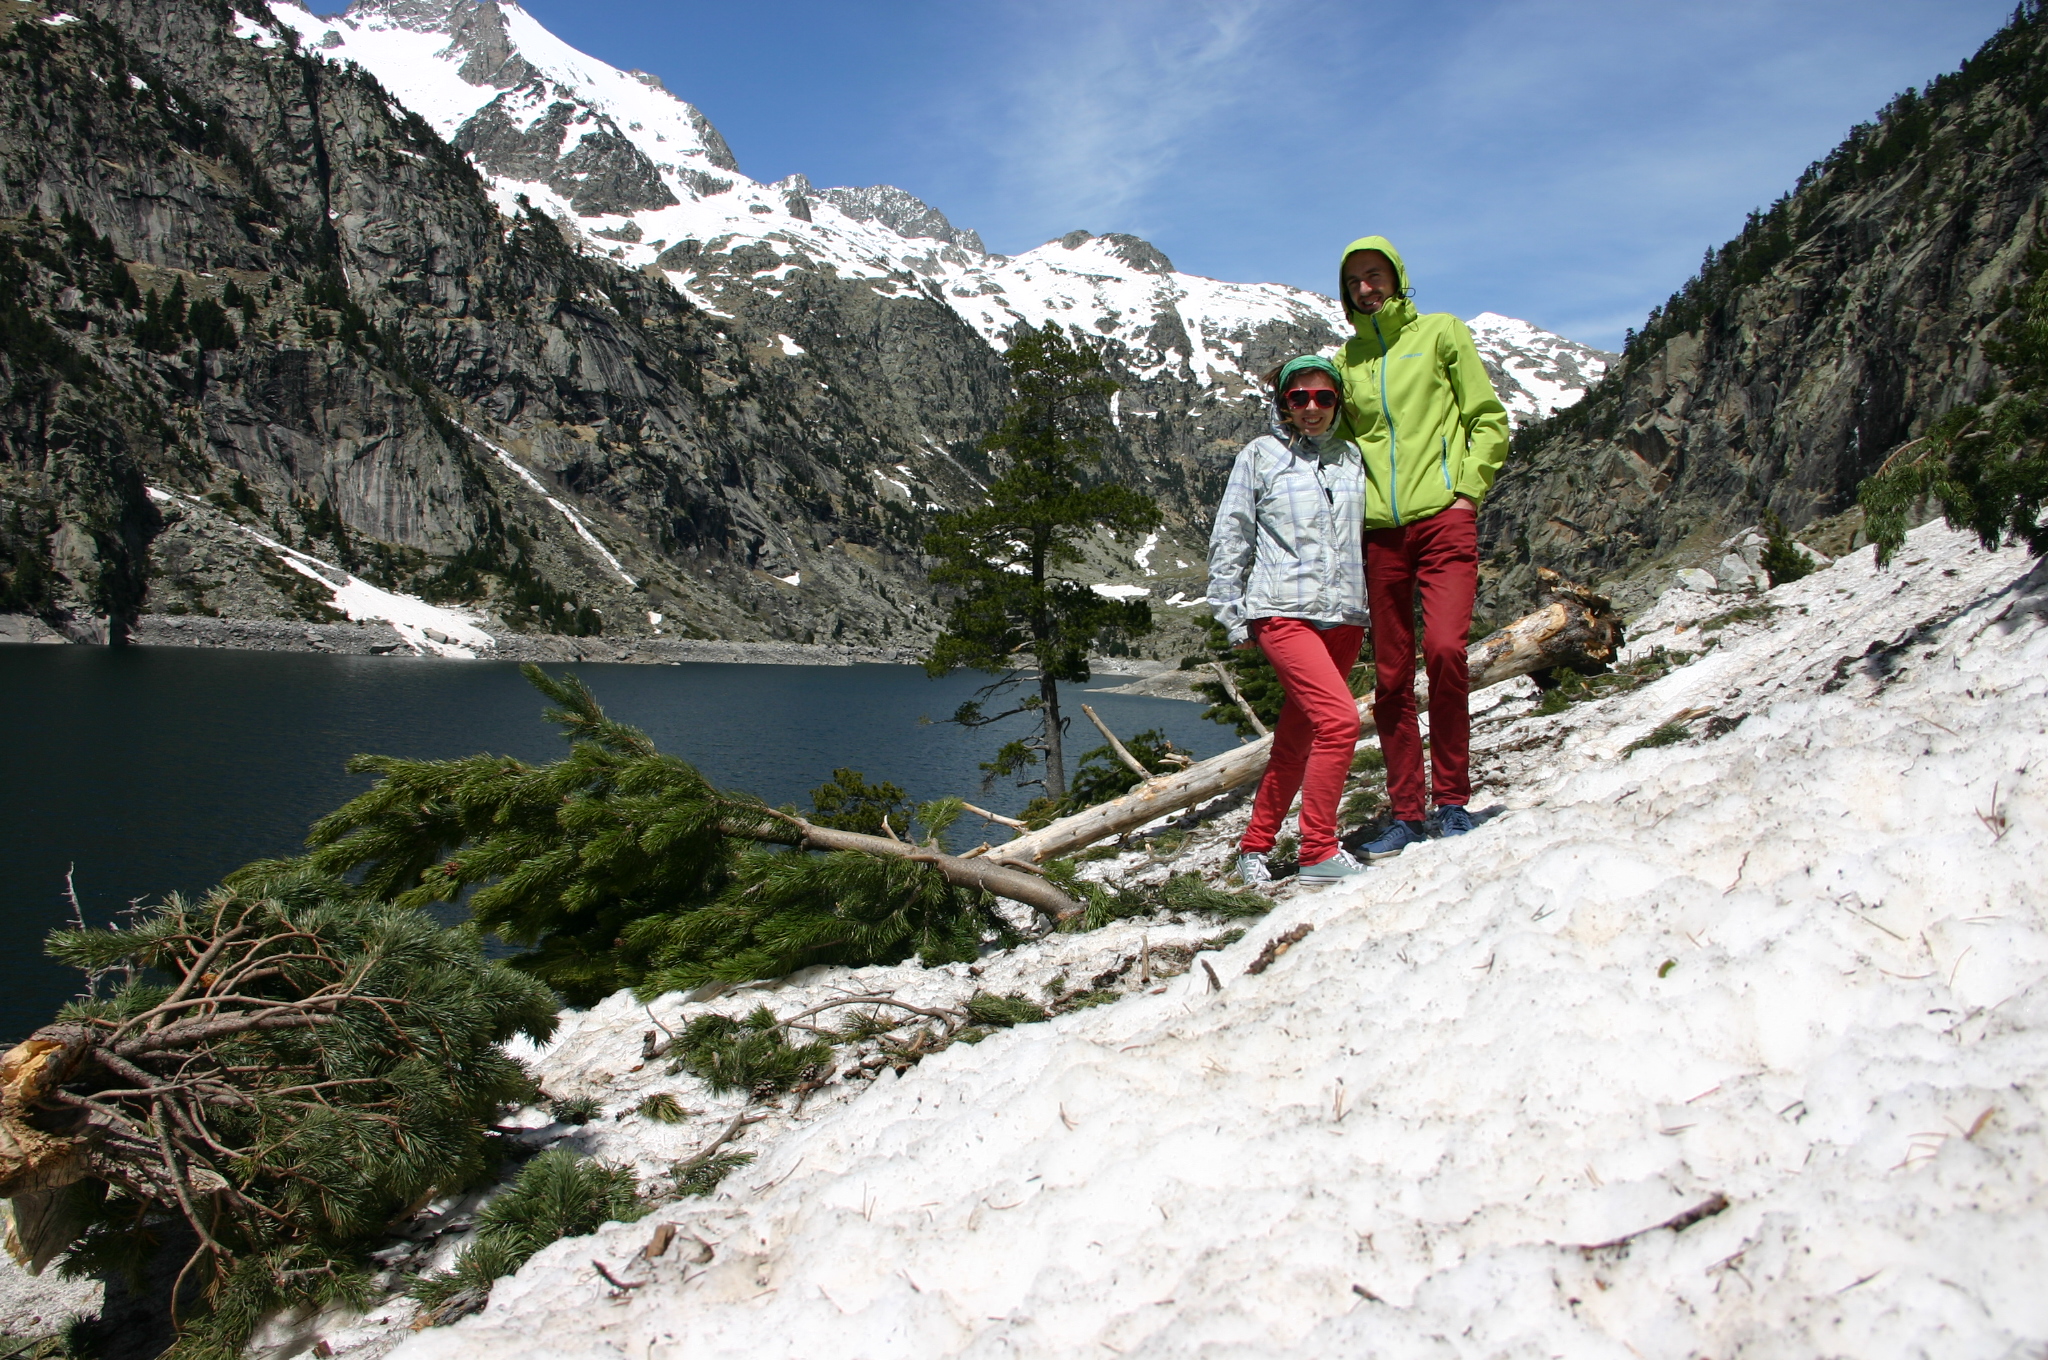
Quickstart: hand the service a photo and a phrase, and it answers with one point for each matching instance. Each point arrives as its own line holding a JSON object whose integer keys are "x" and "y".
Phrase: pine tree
{"x": 1013, "y": 612}
{"x": 210, "y": 325}
{"x": 1249, "y": 670}
{"x": 623, "y": 867}
{"x": 1782, "y": 560}
{"x": 1985, "y": 465}
{"x": 275, "y": 1073}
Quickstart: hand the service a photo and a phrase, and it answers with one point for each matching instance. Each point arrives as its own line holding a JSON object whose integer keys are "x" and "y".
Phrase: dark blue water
{"x": 155, "y": 770}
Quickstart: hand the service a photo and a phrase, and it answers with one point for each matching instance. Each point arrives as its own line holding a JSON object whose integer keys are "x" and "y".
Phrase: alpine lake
{"x": 146, "y": 771}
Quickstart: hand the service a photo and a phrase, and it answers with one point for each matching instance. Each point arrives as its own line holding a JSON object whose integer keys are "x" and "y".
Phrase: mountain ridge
{"x": 1835, "y": 328}
{"x": 487, "y": 345}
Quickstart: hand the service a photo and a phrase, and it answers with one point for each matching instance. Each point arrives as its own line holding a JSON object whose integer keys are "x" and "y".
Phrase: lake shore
{"x": 378, "y": 638}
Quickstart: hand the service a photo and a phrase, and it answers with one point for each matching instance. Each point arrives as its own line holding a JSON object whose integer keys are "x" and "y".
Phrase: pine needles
{"x": 620, "y": 866}
{"x": 1179, "y": 893}
{"x": 285, "y": 1068}
{"x": 703, "y": 1177}
{"x": 986, "y": 1008}
{"x": 662, "y": 1108}
{"x": 752, "y": 1055}
{"x": 556, "y": 1195}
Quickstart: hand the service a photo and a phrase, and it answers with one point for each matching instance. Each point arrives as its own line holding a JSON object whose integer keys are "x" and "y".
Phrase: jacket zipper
{"x": 1444, "y": 457}
{"x": 1393, "y": 435}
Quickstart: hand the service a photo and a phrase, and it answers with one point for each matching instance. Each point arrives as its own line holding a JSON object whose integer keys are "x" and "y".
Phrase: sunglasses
{"x": 1301, "y": 398}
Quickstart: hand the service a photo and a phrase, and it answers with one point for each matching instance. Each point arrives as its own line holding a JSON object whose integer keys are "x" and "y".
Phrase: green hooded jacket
{"x": 1419, "y": 405}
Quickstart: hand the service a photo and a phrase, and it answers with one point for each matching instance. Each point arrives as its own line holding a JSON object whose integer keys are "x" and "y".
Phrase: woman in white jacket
{"x": 1287, "y": 575}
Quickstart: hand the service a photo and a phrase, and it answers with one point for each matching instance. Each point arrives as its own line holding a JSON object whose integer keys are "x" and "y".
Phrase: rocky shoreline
{"x": 377, "y": 638}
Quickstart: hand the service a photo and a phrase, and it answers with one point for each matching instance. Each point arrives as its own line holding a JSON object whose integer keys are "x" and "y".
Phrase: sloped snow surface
{"x": 1798, "y": 966}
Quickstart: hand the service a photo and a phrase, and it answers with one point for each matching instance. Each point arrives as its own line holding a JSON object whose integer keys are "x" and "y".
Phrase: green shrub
{"x": 1782, "y": 561}
{"x": 1985, "y": 465}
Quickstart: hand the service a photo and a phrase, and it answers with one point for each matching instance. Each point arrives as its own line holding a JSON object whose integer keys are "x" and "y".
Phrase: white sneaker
{"x": 1252, "y": 869}
{"x": 1339, "y": 865}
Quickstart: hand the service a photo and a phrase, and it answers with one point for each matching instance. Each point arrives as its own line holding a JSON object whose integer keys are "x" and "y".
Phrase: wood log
{"x": 1122, "y": 752}
{"x": 1230, "y": 688}
{"x": 998, "y": 818}
{"x": 1574, "y": 627}
{"x": 1019, "y": 883}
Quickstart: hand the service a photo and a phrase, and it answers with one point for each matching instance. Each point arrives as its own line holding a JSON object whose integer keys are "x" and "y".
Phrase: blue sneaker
{"x": 1394, "y": 840}
{"x": 1453, "y": 820}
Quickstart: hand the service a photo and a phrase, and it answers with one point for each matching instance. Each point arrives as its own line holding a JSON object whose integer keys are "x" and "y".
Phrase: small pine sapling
{"x": 752, "y": 1055}
{"x": 1782, "y": 560}
{"x": 558, "y": 1194}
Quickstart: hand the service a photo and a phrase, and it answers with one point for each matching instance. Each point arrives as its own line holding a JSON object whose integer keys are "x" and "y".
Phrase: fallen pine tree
{"x": 1574, "y": 628}
{"x": 261, "y": 1082}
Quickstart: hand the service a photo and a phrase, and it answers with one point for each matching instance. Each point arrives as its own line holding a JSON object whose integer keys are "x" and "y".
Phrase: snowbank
{"x": 1798, "y": 965}
{"x": 426, "y": 628}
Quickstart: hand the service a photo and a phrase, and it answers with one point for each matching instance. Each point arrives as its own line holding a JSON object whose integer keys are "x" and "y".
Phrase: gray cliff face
{"x": 903, "y": 213}
{"x": 602, "y": 174}
{"x": 380, "y": 313}
{"x": 239, "y": 273}
{"x": 1838, "y": 327}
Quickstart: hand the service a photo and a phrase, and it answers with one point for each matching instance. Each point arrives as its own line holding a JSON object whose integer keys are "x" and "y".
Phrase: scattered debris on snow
{"x": 1734, "y": 1043}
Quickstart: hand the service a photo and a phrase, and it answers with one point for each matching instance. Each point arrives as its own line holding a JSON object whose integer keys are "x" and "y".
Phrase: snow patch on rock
{"x": 426, "y": 628}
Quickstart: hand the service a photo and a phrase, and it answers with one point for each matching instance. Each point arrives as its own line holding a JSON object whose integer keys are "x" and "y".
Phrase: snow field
{"x": 1799, "y": 965}
{"x": 429, "y": 629}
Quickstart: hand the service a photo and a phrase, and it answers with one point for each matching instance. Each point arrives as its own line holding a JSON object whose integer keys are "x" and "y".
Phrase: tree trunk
{"x": 1004, "y": 880}
{"x": 1574, "y": 628}
{"x": 1055, "y": 756}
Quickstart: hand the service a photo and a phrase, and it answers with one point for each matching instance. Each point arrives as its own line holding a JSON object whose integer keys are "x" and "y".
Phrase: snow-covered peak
{"x": 644, "y": 177}
{"x": 523, "y": 103}
{"x": 1538, "y": 371}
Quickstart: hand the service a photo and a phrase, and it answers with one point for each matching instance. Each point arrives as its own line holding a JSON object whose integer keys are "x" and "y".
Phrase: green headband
{"x": 1307, "y": 361}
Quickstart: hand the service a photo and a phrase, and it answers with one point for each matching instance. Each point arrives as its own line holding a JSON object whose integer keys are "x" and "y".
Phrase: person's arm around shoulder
{"x": 1479, "y": 411}
{"x": 1234, "y": 542}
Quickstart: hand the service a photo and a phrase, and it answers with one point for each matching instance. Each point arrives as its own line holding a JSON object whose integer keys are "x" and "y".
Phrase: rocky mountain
{"x": 1835, "y": 328}
{"x": 453, "y": 311}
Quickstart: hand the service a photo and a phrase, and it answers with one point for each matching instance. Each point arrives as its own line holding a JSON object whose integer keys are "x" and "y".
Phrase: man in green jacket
{"x": 1434, "y": 434}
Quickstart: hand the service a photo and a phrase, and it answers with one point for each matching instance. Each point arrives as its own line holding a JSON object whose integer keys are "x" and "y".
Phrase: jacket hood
{"x": 1332, "y": 443}
{"x": 1386, "y": 248}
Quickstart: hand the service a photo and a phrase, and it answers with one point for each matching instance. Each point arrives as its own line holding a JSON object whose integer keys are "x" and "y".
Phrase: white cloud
{"x": 1104, "y": 107}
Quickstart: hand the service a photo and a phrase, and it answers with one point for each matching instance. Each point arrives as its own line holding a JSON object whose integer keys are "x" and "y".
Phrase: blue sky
{"x": 1564, "y": 161}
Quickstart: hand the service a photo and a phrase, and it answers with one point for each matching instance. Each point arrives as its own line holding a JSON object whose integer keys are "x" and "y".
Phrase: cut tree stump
{"x": 1574, "y": 628}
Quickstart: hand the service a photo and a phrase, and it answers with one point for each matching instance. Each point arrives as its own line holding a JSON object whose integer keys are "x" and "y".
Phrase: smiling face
{"x": 1369, "y": 280}
{"x": 1310, "y": 419}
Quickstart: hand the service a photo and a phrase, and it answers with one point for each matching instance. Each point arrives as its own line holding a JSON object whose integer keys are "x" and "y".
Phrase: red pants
{"x": 1318, "y": 732}
{"x": 1441, "y": 555}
